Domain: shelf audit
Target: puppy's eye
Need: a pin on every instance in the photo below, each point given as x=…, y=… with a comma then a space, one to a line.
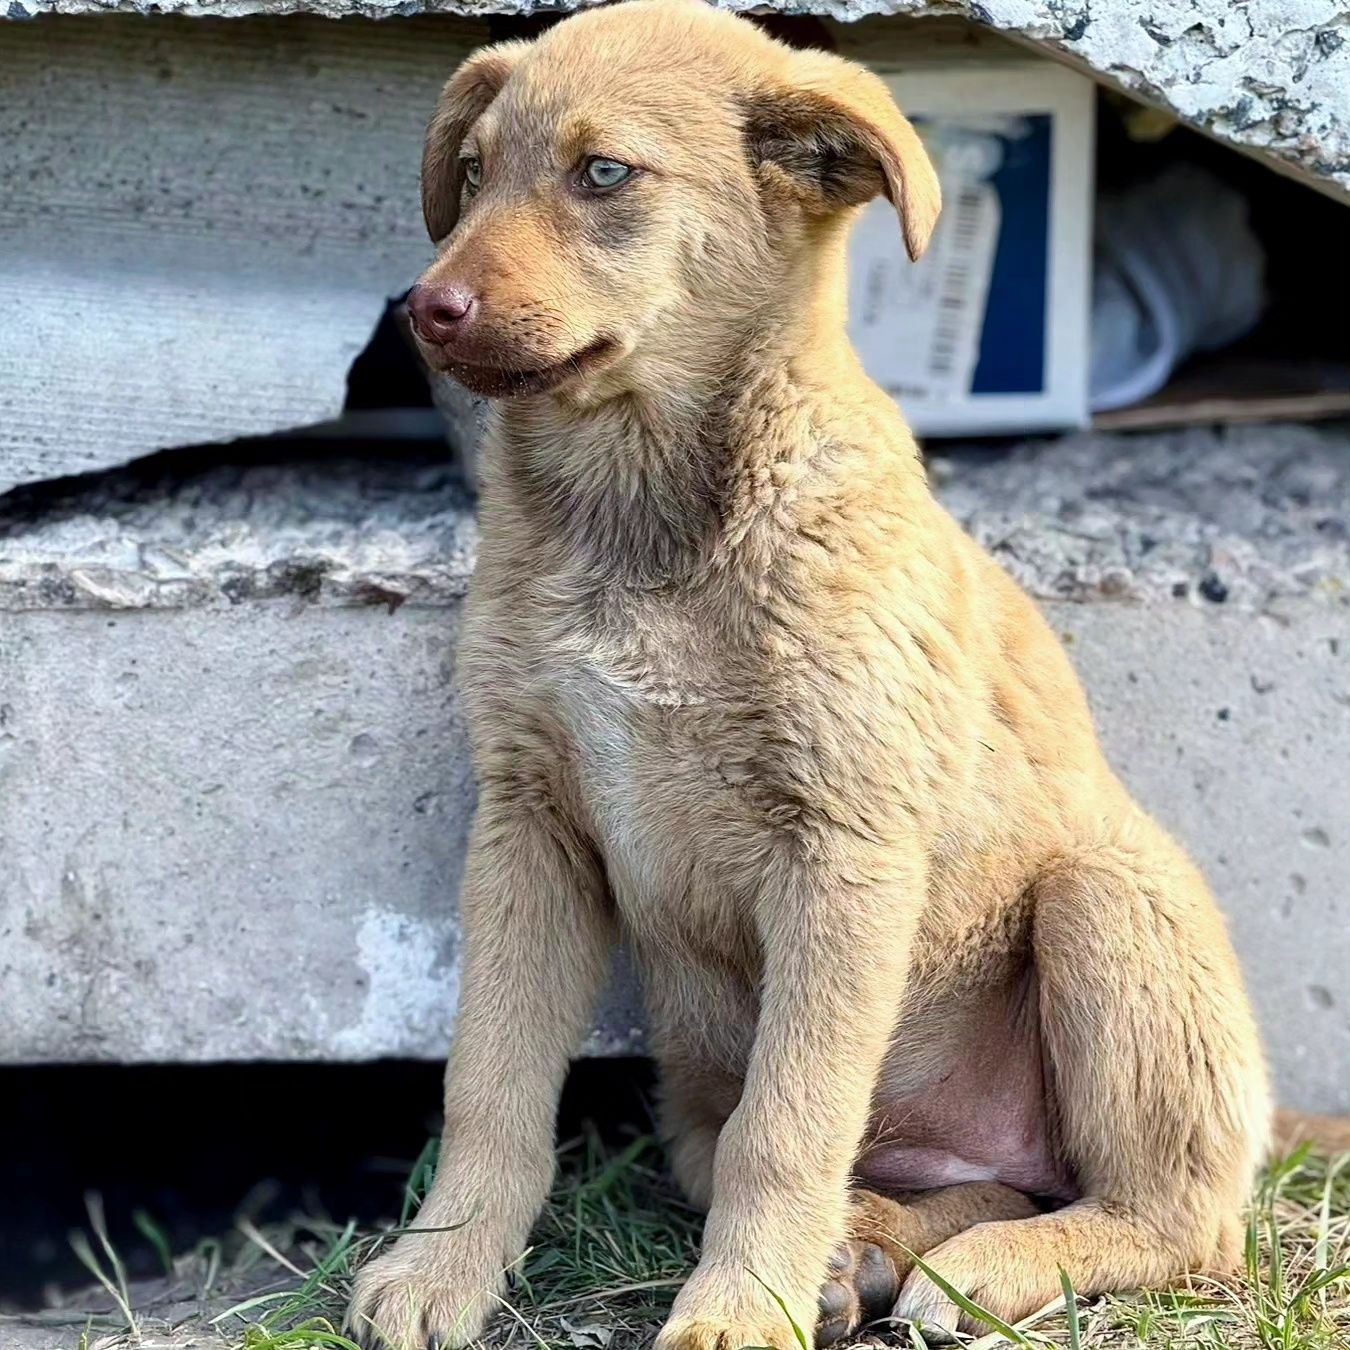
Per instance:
x=600, y=175
x=473, y=170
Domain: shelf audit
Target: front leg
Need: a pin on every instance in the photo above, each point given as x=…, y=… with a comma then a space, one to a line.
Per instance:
x=537, y=941
x=836, y=949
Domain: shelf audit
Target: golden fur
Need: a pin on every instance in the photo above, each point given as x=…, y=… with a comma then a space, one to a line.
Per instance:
x=742, y=693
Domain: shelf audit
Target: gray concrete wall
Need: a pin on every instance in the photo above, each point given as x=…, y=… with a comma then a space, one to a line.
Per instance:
x=233, y=788
x=235, y=838
x=242, y=838
x=201, y=224
x=1234, y=730
x=232, y=838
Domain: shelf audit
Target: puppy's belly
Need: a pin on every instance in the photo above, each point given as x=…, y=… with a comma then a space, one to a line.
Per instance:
x=901, y=1168
x=977, y=1110
x=918, y=1167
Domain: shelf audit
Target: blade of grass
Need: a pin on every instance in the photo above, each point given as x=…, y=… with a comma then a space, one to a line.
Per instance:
x=210, y=1252
x=249, y=1304
x=80, y=1245
x=1075, y=1331
x=419, y=1180
x=98, y=1221
x=778, y=1299
x=155, y=1236
x=618, y=1167
x=969, y=1306
x=1322, y=1246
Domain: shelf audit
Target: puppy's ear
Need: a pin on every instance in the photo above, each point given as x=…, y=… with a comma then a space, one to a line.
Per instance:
x=834, y=133
x=463, y=101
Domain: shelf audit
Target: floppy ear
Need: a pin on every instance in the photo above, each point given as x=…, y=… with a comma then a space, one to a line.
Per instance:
x=834, y=131
x=463, y=101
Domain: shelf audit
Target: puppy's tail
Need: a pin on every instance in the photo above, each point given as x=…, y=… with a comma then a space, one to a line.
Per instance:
x=1327, y=1134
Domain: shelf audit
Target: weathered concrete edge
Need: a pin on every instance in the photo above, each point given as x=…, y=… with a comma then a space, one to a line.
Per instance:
x=1240, y=76
x=315, y=580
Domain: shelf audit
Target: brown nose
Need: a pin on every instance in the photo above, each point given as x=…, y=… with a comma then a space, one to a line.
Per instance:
x=439, y=312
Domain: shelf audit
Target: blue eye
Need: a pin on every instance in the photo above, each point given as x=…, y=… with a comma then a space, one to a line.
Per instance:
x=603, y=174
x=473, y=170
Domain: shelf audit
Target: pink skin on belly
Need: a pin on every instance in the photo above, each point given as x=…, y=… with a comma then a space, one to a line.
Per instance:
x=984, y=1119
x=961, y=1151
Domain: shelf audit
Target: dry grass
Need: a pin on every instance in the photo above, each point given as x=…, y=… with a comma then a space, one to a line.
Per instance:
x=616, y=1241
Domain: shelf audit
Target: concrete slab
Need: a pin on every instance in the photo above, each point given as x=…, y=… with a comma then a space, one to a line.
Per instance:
x=202, y=224
x=234, y=838
x=233, y=787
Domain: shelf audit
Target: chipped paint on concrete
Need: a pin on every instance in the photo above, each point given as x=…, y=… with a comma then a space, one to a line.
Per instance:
x=411, y=983
x=1269, y=76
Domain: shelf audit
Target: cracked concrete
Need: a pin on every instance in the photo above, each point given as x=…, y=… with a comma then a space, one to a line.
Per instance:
x=1249, y=517
x=326, y=531
x=234, y=791
x=1269, y=78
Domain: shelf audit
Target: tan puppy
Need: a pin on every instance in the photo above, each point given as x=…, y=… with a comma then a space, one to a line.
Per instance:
x=744, y=694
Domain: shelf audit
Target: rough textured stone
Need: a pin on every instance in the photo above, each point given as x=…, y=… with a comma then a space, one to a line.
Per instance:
x=327, y=530
x=1272, y=78
x=1246, y=516
x=1243, y=517
x=233, y=808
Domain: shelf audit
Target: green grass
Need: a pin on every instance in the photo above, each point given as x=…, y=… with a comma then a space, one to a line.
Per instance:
x=611, y=1249
x=616, y=1241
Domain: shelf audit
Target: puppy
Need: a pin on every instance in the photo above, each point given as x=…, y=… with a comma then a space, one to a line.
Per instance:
x=920, y=976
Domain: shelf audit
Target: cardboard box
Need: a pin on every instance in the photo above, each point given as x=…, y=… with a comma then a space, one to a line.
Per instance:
x=989, y=331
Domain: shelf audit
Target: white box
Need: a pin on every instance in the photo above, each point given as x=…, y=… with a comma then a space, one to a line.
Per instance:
x=989, y=331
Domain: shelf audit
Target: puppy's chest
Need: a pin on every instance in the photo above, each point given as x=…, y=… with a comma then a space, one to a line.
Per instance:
x=643, y=700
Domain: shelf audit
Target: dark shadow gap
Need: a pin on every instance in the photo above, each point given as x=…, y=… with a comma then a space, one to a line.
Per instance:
x=194, y=1146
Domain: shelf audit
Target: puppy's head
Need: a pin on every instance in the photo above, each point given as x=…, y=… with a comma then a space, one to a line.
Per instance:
x=640, y=190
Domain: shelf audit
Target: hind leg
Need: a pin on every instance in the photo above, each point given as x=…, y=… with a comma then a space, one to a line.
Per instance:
x=694, y=1108
x=1157, y=1091
x=884, y=1233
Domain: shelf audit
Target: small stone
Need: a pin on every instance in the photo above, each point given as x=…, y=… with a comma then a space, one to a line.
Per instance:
x=1213, y=589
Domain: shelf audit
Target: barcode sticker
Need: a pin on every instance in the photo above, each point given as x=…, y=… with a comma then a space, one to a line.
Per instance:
x=917, y=326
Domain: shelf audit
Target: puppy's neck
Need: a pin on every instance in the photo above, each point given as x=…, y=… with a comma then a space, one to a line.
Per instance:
x=653, y=485
x=628, y=486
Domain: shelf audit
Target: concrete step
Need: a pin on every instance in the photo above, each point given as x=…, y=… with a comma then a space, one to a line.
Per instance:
x=234, y=791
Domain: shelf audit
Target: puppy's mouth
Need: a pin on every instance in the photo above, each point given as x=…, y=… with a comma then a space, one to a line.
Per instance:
x=495, y=381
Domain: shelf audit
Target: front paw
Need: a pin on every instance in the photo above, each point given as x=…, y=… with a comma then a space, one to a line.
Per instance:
x=430, y=1292
x=731, y=1310
x=689, y=1333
